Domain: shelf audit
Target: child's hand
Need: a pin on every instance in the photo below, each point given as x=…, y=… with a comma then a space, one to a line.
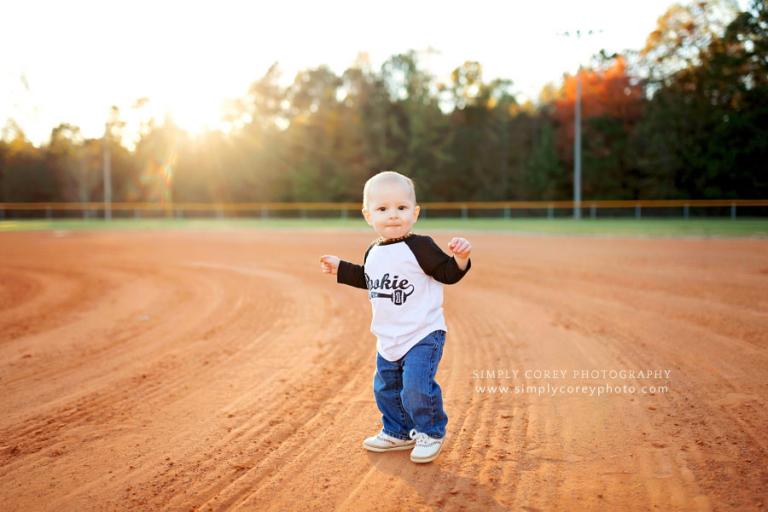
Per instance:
x=460, y=248
x=329, y=264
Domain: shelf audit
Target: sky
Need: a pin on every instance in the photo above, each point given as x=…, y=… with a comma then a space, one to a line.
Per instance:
x=71, y=61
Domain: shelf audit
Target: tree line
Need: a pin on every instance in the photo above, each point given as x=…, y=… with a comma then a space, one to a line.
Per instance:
x=684, y=117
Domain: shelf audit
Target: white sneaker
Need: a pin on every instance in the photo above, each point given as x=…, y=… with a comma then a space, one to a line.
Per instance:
x=382, y=442
x=427, y=448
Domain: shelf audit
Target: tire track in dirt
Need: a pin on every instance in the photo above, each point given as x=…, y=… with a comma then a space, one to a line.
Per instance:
x=118, y=348
x=16, y=290
x=585, y=322
x=84, y=408
x=48, y=297
x=102, y=407
x=113, y=332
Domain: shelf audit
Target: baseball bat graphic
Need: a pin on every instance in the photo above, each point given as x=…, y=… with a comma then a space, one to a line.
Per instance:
x=397, y=296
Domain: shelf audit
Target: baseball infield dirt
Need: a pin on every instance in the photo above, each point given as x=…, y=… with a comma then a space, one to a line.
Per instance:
x=222, y=370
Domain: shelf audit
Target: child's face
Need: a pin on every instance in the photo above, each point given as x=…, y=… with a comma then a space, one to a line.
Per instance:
x=391, y=210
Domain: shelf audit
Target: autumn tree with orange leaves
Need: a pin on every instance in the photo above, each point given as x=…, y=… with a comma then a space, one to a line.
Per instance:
x=611, y=106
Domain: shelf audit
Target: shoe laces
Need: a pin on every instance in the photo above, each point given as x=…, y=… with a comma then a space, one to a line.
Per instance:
x=420, y=437
x=384, y=436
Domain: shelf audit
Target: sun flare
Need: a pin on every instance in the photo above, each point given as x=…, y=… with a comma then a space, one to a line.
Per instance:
x=196, y=114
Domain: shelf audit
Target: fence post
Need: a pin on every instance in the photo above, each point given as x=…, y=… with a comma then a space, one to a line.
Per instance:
x=593, y=211
x=343, y=213
x=263, y=213
x=685, y=211
x=733, y=211
x=507, y=214
x=464, y=212
x=550, y=212
x=638, y=212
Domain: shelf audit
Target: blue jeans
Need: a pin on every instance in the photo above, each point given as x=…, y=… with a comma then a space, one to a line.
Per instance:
x=406, y=392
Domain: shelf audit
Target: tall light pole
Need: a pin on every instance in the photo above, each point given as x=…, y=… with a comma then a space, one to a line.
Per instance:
x=106, y=170
x=577, y=130
x=577, y=150
x=112, y=121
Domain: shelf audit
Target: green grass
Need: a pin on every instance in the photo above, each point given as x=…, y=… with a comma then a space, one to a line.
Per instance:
x=750, y=227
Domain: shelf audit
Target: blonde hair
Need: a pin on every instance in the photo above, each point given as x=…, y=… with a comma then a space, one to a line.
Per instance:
x=388, y=177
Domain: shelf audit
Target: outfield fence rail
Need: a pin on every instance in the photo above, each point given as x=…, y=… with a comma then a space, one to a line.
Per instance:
x=684, y=208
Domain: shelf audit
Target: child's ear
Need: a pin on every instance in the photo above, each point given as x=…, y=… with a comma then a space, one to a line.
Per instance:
x=416, y=212
x=367, y=216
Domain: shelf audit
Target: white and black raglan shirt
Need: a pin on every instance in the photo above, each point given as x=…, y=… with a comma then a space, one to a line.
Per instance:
x=404, y=278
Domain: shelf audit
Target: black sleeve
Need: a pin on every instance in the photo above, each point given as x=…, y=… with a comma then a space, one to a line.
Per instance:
x=434, y=262
x=351, y=274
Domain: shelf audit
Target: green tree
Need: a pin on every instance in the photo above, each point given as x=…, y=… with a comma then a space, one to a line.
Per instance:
x=705, y=132
x=544, y=177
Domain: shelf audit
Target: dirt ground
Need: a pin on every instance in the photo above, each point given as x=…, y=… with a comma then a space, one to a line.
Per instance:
x=223, y=371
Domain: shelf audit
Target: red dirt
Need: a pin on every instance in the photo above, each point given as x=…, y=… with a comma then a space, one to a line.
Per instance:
x=222, y=370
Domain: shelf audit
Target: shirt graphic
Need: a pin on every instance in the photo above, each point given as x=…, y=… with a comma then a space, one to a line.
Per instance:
x=395, y=290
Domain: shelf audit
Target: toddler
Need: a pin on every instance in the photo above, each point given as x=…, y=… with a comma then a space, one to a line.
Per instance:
x=404, y=274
